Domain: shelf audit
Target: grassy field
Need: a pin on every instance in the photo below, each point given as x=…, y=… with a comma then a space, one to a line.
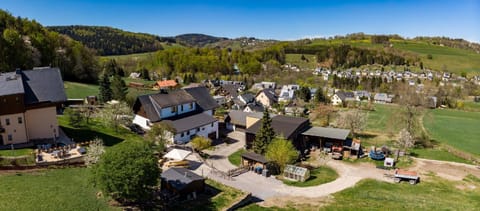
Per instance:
x=382, y=119
x=318, y=176
x=459, y=129
x=15, y=152
x=236, y=157
x=79, y=91
x=61, y=189
x=437, y=154
x=369, y=194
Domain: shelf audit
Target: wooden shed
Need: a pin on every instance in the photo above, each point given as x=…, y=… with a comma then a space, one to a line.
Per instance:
x=253, y=161
x=296, y=173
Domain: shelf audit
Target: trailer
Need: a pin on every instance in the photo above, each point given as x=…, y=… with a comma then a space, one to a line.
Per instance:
x=410, y=176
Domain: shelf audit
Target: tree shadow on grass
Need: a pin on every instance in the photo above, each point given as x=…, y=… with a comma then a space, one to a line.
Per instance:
x=86, y=134
x=366, y=136
x=202, y=202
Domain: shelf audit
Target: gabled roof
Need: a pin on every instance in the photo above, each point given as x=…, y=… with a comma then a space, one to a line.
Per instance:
x=43, y=85
x=203, y=97
x=247, y=97
x=325, y=132
x=171, y=98
x=270, y=94
x=282, y=125
x=255, y=107
x=345, y=95
x=255, y=157
x=232, y=89
x=179, y=178
x=190, y=122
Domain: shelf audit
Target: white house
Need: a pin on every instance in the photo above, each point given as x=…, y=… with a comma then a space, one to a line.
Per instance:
x=340, y=97
x=288, y=92
x=189, y=111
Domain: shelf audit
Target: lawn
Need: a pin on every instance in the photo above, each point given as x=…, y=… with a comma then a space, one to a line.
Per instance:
x=95, y=129
x=60, y=189
x=76, y=90
x=223, y=197
x=15, y=152
x=236, y=157
x=437, y=154
x=318, y=176
x=383, y=119
x=459, y=129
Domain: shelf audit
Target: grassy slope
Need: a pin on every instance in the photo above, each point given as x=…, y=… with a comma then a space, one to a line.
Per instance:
x=62, y=189
x=79, y=91
x=296, y=59
x=453, y=59
x=456, y=128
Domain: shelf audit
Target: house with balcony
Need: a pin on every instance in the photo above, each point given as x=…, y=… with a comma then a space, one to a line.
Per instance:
x=189, y=111
x=29, y=101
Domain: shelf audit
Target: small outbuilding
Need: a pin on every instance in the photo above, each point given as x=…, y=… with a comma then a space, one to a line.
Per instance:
x=296, y=173
x=182, y=182
x=254, y=161
x=389, y=162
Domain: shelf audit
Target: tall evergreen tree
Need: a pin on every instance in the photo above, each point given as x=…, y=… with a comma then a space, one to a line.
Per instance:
x=105, y=89
x=320, y=96
x=119, y=88
x=145, y=74
x=265, y=135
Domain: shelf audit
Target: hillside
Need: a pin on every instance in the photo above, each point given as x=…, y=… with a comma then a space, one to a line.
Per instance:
x=197, y=40
x=26, y=44
x=112, y=41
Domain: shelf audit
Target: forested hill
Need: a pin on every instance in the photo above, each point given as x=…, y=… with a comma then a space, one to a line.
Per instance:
x=112, y=41
x=26, y=44
x=198, y=40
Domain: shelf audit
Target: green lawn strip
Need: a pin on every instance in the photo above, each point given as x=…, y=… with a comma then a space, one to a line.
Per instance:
x=76, y=90
x=427, y=195
x=15, y=152
x=318, y=176
x=437, y=154
x=59, y=189
x=236, y=157
x=95, y=129
x=458, y=129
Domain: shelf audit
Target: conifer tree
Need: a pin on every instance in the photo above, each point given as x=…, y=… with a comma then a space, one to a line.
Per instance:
x=265, y=134
x=105, y=89
x=119, y=88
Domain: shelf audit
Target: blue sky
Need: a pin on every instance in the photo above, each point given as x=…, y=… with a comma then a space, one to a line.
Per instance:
x=263, y=19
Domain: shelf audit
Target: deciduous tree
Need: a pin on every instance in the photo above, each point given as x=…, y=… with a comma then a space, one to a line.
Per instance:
x=281, y=152
x=353, y=119
x=200, y=143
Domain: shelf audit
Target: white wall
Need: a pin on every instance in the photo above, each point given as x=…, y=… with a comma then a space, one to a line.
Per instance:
x=15, y=129
x=204, y=131
x=42, y=123
x=142, y=122
x=336, y=100
x=167, y=112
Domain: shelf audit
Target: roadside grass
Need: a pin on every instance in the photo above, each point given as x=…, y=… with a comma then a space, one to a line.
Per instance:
x=223, y=198
x=318, y=176
x=236, y=157
x=95, y=129
x=437, y=154
x=76, y=90
x=59, y=189
x=458, y=129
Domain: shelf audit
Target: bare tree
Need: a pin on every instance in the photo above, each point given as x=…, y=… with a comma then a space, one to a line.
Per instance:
x=353, y=119
x=412, y=102
x=405, y=140
x=114, y=115
x=94, y=152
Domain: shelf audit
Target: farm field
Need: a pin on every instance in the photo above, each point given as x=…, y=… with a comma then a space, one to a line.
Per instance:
x=60, y=189
x=382, y=119
x=459, y=129
x=76, y=90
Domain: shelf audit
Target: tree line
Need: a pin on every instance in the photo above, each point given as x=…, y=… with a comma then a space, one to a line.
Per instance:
x=26, y=44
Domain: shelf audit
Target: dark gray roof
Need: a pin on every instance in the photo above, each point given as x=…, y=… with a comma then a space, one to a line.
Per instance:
x=203, y=97
x=152, y=111
x=282, y=125
x=238, y=117
x=171, y=98
x=191, y=122
x=43, y=85
x=247, y=97
x=255, y=107
x=325, y=132
x=345, y=95
x=232, y=89
x=10, y=83
x=255, y=157
x=180, y=177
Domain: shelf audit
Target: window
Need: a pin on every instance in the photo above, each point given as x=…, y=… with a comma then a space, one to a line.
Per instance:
x=10, y=137
x=7, y=121
x=198, y=129
x=191, y=105
x=20, y=121
x=174, y=109
x=188, y=132
x=181, y=135
x=212, y=124
x=203, y=128
x=181, y=107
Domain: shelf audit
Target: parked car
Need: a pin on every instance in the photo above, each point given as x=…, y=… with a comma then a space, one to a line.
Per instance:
x=136, y=129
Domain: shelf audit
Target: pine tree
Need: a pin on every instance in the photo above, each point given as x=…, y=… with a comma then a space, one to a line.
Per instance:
x=119, y=88
x=265, y=135
x=319, y=95
x=105, y=90
x=145, y=74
